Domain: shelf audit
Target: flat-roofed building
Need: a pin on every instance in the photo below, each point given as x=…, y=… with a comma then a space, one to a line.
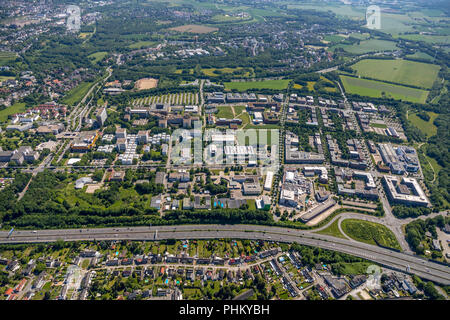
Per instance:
x=398, y=194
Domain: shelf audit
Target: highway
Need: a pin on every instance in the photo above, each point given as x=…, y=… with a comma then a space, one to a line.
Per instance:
x=385, y=257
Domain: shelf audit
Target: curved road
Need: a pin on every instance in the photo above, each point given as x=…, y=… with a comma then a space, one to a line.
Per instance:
x=395, y=260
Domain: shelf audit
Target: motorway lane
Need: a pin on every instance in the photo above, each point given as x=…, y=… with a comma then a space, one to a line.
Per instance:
x=421, y=267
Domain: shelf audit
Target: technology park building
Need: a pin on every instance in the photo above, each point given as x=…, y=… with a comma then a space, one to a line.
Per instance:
x=406, y=191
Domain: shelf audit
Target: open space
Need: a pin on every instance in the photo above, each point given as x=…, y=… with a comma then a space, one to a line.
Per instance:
x=378, y=89
x=398, y=71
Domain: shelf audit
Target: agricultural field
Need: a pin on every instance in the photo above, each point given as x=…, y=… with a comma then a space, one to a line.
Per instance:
x=267, y=84
x=366, y=46
x=370, y=232
x=193, y=28
x=427, y=127
x=398, y=71
x=182, y=98
x=15, y=108
x=378, y=89
x=426, y=38
x=420, y=55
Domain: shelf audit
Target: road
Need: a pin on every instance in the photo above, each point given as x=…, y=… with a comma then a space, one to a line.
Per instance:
x=388, y=258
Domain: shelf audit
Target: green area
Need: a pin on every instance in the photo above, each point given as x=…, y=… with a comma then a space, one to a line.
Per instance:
x=426, y=38
x=142, y=44
x=427, y=127
x=267, y=84
x=351, y=268
x=97, y=56
x=370, y=232
x=399, y=71
x=378, y=125
x=76, y=94
x=366, y=46
x=378, y=89
x=225, y=112
x=15, y=108
x=420, y=55
x=6, y=57
x=332, y=230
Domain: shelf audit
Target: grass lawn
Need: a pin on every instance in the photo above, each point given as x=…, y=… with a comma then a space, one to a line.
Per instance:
x=245, y=117
x=251, y=204
x=370, y=232
x=354, y=268
x=332, y=230
x=15, y=108
x=427, y=127
x=378, y=125
x=225, y=112
x=97, y=56
x=268, y=84
x=378, y=89
x=398, y=71
x=76, y=94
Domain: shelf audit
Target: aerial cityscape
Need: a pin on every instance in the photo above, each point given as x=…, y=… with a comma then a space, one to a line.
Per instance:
x=224, y=150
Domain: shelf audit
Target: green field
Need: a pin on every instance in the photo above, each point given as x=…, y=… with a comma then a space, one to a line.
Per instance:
x=375, y=89
x=76, y=94
x=378, y=125
x=333, y=230
x=15, y=108
x=370, y=232
x=426, y=38
x=225, y=112
x=399, y=71
x=268, y=84
x=6, y=57
x=142, y=44
x=427, y=127
x=214, y=72
x=365, y=46
x=97, y=56
x=420, y=55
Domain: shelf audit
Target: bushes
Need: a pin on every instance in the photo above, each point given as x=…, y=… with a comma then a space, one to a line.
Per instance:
x=401, y=211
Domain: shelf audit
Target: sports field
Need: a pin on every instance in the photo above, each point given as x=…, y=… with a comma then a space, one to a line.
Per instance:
x=399, y=71
x=268, y=84
x=375, y=89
